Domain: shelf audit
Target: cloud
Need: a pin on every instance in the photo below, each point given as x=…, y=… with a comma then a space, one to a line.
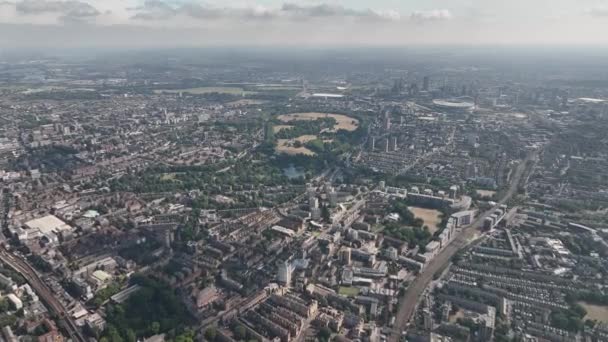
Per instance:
x=598, y=12
x=326, y=10
x=193, y=13
x=160, y=10
x=154, y=10
x=67, y=10
x=321, y=10
x=433, y=15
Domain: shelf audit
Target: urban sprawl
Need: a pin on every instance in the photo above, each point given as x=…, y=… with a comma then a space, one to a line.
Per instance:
x=239, y=198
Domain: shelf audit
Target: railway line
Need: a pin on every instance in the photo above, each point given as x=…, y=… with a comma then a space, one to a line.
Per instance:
x=409, y=302
x=43, y=292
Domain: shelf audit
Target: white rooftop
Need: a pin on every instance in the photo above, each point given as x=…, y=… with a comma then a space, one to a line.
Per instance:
x=48, y=224
x=591, y=100
x=454, y=104
x=327, y=95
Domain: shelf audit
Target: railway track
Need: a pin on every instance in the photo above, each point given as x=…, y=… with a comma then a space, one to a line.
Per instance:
x=43, y=292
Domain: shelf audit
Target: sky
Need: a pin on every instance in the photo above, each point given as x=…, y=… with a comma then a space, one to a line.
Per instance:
x=192, y=23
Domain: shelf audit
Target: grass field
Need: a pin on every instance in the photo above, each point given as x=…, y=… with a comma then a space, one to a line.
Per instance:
x=278, y=87
x=343, y=122
x=287, y=145
x=348, y=291
x=168, y=177
x=279, y=128
x=596, y=312
x=207, y=90
x=431, y=217
x=245, y=102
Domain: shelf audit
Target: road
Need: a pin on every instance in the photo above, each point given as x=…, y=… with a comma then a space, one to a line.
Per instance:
x=408, y=303
x=43, y=292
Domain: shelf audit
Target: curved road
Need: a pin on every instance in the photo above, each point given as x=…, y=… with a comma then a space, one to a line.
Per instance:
x=408, y=303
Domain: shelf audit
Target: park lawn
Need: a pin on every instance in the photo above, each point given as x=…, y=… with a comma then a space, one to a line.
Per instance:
x=348, y=291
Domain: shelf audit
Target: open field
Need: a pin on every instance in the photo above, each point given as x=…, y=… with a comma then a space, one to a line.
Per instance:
x=431, y=217
x=348, y=291
x=277, y=87
x=43, y=89
x=168, y=176
x=245, y=102
x=343, y=122
x=595, y=312
x=485, y=193
x=279, y=128
x=287, y=145
x=207, y=90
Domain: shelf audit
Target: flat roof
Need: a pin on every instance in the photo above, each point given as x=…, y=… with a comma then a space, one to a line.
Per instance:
x=591, y=100
x=327, y=95
x=433, y=244
x=453, y=104
x=101, y=275
x=47, y=224
x=284, y=230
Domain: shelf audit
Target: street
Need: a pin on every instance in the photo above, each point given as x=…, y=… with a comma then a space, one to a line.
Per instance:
x=408, y=303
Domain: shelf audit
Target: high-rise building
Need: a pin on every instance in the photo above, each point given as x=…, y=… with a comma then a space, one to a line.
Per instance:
x=387, y=120
x=285, y=271
x=426, y=82
x=392, y=253
x=413, y=89
x=428, y=319
x=313, y=202
x=345, y=255
x=333, y=198
x=315, y=213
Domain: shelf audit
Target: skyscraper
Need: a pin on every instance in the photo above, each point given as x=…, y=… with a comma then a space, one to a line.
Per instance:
x=285, y=271
x=387, y=120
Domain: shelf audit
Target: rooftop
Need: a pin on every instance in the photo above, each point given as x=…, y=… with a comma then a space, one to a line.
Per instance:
x=47, y=224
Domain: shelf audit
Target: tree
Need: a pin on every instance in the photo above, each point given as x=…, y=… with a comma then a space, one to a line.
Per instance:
x=131, y=337
x=154, y=328
x=323, y=301
x=578, y=310
x=324, y=334
x=559, y=320
x=269, y=133
x=186, y=336
x=240, y=333
x=210, y=334
x=113, y=335
x=4, y=305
